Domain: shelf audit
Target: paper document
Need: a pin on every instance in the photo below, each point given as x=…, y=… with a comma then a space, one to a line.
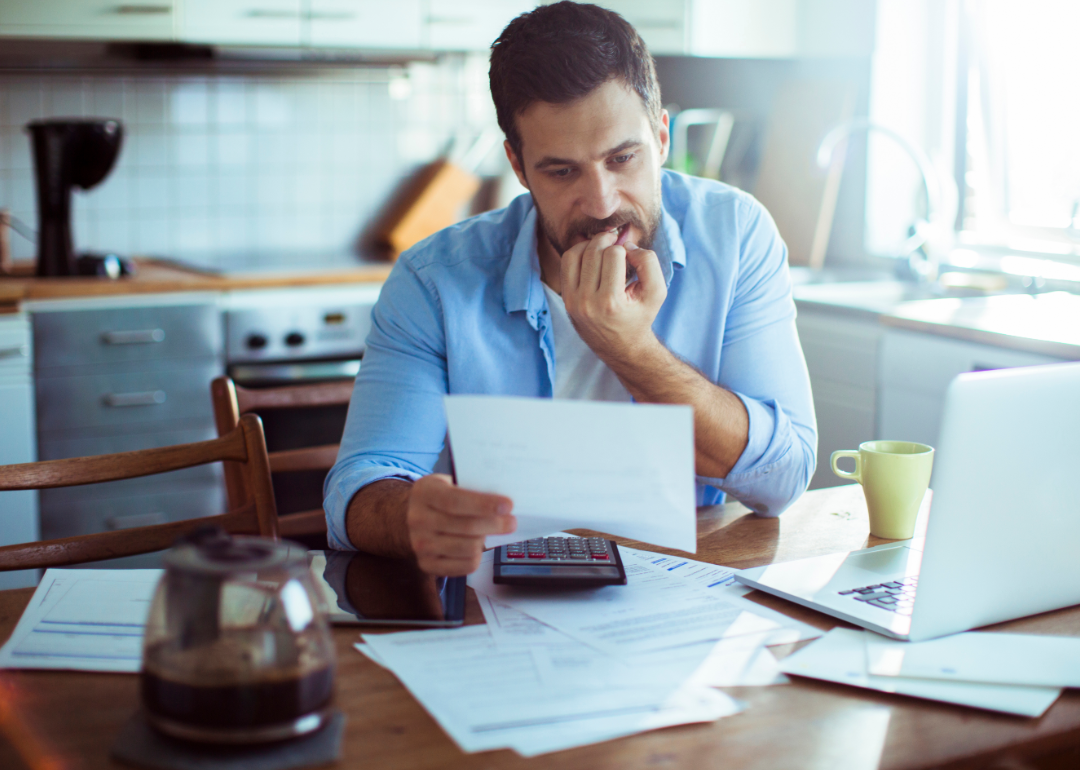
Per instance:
x=1052, y=661
x=841, y=655
x=486, y=697
x=84, y=620
x=622, y=469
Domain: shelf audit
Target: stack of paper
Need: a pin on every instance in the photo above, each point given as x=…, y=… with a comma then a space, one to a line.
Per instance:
x=1011, y=673
x=565, y=668
x=84, y=620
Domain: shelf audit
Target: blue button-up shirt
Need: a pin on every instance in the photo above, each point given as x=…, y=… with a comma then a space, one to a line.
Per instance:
x=464, y=311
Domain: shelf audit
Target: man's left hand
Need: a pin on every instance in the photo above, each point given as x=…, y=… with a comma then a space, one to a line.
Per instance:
x=613, y=319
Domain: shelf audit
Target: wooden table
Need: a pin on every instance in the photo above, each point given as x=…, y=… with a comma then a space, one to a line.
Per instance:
x=807, y=724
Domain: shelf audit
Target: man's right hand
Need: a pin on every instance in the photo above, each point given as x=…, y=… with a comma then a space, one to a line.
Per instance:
x=447, y=524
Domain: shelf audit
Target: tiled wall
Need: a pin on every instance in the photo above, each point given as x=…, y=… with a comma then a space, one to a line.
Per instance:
x=216, y=166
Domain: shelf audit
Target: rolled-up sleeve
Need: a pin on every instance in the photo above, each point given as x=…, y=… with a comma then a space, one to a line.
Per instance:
x=762, y=363
x=396, y=426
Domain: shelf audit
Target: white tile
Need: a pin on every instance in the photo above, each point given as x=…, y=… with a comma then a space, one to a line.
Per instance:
x=17, y=149
x=234, y=189
x=191, y=192
x=232, y=148
x=153, y=235
x=233, y=233
x=191, y=150
x=347, y=149
x=150, y=106
x=150, y=146
x=113, y=233
x=189, y=103
x=112, y=194
x=230, y=102
x=274, y=194
x=310, y=189
x=193, y=234
x=107, y=98
x=309, y=149
x=25, y=101
x=22, y=194
x=64, y=98
x=272, y=107
x=273, y=150
x=151, y=191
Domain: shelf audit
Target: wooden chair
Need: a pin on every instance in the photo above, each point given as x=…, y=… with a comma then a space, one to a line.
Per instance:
x=244, y=448
x=230, y=401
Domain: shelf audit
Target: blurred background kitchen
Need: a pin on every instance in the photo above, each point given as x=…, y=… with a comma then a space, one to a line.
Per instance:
x=919, y=157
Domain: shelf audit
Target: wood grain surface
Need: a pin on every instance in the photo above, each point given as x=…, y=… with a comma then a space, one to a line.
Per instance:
x=158, y=277
x=807, y=724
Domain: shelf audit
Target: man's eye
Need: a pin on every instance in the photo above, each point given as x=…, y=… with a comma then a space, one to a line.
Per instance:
x=560, y=172
x=622, y=158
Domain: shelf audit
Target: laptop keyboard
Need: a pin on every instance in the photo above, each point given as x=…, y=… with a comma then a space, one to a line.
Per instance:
x=895, y=596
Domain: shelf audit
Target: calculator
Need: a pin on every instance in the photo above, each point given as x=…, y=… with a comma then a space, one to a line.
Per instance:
x=564, y=562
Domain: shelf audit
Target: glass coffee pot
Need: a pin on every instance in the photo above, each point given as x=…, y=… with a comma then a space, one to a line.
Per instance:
x=237, y=646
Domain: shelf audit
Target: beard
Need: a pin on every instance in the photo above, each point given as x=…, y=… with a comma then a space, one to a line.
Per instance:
x=588, y=227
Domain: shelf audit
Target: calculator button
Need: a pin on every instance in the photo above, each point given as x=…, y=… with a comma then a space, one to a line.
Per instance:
x=599, y=555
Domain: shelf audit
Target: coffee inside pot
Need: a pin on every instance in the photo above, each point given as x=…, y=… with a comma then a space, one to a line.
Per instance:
x=237, y=646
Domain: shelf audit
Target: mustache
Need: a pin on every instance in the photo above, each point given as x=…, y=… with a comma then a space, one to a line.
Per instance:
x=588, y=228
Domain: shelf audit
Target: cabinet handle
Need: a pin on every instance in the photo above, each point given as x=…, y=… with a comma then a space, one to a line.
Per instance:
x=977, y=367
x=144, y=398
x=134, y=337
x=19, y=351
x=142, y=10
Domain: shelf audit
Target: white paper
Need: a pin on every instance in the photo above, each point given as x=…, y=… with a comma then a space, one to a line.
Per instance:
x=510, y=627
x=486, y=697
x=622, y=469
x=1052, y=661
x=720, y=581
x=742, y=661
x=840, y=656
x=84, y=620
x=652, y=611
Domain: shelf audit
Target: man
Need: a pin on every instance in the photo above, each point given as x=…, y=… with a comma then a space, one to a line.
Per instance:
x=613, y=280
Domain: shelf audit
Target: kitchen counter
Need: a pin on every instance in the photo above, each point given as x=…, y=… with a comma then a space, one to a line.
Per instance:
x=1047, y=324
x=160, y=277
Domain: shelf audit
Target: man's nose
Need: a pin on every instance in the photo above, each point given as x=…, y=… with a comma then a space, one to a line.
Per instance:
x=600, y=195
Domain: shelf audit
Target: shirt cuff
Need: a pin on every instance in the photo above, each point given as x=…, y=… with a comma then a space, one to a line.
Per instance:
x=340, y=492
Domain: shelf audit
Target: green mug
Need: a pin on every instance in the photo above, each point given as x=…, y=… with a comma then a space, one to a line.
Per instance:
x=894, y=477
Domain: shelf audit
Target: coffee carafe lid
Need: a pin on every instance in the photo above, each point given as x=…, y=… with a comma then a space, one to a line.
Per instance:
x=212, y=551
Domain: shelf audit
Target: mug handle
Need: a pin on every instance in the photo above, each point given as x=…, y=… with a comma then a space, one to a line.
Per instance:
x=853, y=453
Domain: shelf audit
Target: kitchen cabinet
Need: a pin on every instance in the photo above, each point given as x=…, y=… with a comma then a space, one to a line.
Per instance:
x=841, y=353
x=89, y=19
x=241, y=22
x=915, y=370
x=124, y=374
x=452, y=25
x=364, y=24
x=18, y=510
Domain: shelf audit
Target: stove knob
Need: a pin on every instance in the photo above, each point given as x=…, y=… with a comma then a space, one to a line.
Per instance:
x=256, y=341
x=294, y=339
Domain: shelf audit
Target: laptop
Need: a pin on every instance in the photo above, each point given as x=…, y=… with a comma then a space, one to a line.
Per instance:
x=1003, y=537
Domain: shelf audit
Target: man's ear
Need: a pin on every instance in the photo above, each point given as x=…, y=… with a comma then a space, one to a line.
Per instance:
x=515, y=163
x=664, y=135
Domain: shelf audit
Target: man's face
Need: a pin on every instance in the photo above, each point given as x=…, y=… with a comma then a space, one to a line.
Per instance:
x=593, y=165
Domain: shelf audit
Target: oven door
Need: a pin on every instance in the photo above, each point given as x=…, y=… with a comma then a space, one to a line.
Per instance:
x=298, y=428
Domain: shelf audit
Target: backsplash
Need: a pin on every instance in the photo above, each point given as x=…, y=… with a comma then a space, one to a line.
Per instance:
x=215, y=167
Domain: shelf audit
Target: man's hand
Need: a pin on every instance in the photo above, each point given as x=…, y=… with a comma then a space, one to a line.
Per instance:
x=447, y=524
x=613, y=319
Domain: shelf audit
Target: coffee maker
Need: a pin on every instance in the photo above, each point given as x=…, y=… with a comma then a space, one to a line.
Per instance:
x=67, y=153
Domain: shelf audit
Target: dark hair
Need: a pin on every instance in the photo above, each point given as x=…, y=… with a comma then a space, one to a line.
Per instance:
x=561, y=52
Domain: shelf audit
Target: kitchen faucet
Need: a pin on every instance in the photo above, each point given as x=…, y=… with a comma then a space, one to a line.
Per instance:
x=932, y=234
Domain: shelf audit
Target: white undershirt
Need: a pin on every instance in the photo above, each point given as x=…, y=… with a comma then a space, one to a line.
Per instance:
x=579, y=373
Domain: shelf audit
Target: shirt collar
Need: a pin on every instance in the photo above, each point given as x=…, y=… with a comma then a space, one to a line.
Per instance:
x=522, y=289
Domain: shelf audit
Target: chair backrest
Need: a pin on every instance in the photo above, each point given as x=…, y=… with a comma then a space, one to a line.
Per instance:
x=231, y=401
x=244, y=447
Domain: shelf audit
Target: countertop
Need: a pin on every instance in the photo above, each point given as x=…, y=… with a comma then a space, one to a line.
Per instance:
x=1048, y=324
x=158, y=276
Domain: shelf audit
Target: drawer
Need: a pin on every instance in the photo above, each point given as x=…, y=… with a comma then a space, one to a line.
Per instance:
x=125, y=335
x=67, y=516
x=130, y=399
x=838, y=349
x=927, y=363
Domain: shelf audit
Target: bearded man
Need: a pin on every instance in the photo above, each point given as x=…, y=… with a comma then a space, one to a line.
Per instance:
x=613, y=279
